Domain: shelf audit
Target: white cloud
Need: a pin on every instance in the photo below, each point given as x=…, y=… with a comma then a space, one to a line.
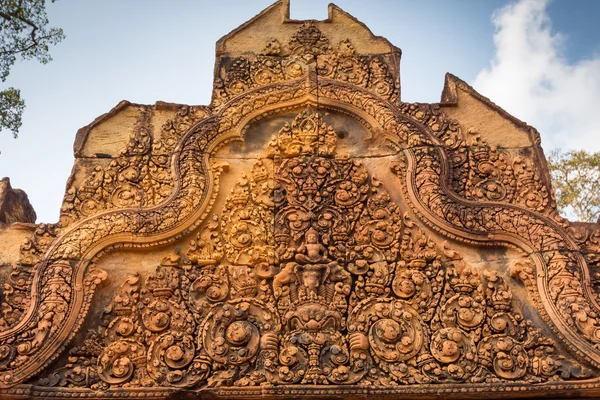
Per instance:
x=530, y=78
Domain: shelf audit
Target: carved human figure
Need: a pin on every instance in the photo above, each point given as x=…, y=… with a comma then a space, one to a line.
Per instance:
x=305, y=278
x=311, y=251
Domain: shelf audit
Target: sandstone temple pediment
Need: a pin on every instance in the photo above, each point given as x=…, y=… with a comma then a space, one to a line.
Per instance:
x=307, y=234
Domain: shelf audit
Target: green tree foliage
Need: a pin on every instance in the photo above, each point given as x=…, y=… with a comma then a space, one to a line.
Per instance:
x=24, y=35
x=576, y=181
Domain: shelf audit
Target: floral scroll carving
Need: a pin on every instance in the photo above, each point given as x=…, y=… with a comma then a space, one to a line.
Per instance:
x=307, y=49
x=311, y=272
x=139, y=176
x=489, y=174
x=313, y=275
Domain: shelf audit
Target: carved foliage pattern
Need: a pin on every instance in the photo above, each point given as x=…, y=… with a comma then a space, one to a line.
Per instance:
x=139, y=177
x=15, y=294
x=565, y=282
x=314, y=276
x=56, y=283
x=427, y=181
x=191, y=188
x=307, y=48
x=565, y=276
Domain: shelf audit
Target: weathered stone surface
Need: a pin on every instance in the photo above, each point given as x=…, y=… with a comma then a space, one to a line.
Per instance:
x=14, y=205
x=305, y=234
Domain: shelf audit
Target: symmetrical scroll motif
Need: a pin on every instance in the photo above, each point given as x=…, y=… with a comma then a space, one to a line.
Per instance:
x=313, y=276
x=339, y=286
x=309, y=41
x=307, y=48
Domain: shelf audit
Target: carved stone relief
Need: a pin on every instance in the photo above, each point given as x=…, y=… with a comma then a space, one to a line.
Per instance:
x=311, y=275
x=282, y=62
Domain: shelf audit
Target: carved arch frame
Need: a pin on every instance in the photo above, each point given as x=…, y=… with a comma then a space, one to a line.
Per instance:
x=228, y=122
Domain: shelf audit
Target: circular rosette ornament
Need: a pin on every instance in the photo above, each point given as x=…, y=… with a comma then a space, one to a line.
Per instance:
x=89, y=207
x=490, y=189
x=171, y=361
x=347, y=194
x=231, y=332
x=464, y=311
x=397, y=339
x=127, y=195
x=412, y=286
x=243, y=234
x=264, y=76
x=294, y=68
x=504, y=355
x=391, y=329
x=210, y=287
x=506, y=324
x=121, y=327
x=533, y=199
x=454, y=349
x=162, y=314
x=119, y=360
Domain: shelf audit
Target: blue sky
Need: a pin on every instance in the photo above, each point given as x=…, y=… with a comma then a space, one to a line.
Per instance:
x=538, y=59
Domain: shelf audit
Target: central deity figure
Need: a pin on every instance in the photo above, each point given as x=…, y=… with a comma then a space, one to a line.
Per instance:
x=312, y=266
x=315, y=251
x=309, y=273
